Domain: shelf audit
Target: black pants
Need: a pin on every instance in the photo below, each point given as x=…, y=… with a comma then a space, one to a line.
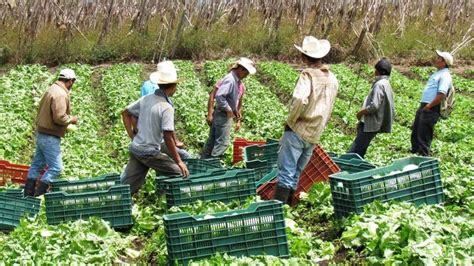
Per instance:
x=362, y=140
x=423, y=129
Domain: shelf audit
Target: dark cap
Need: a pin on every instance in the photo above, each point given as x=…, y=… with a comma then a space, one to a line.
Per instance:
x=384, y=67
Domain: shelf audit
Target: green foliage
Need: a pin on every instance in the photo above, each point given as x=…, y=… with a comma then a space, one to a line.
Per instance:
x=20, y=91
x=403, y=234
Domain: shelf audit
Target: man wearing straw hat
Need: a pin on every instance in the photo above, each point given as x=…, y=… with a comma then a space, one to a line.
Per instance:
x=149, y=87
x=228, y=104
x=310, y=109
x=428, y=113
x=155, y=115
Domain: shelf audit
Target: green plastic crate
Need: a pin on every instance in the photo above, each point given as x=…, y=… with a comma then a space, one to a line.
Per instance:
x=233, y=185
x=103, y=182
x=196, y=166
x=14, y=207
x=113, y=205
x=267, y=178
x=350, y=192
x=160, y=180
x=261, y=167
x=14, y=192
x=257, y=230
x=267, y=152
x=351, y=162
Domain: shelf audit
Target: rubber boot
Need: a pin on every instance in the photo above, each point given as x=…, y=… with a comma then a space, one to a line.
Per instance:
x=281, y=194
x=41, y=189
x=29, y=190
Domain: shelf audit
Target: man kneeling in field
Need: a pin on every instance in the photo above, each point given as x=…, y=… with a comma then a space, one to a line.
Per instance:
x=155, y=121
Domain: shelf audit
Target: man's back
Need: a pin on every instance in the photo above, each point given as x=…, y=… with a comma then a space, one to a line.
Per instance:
x=155, y=115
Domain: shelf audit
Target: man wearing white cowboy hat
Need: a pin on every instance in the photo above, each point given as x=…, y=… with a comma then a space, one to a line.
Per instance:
x=149, y=87
x=155, y=115
x=54, y=117
x=428, y=113
x=228, y=97
x=310, y=109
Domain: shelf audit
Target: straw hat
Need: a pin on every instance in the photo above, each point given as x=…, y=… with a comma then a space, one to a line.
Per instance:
x=314, y=48
x=165, y=74
x=247, y=64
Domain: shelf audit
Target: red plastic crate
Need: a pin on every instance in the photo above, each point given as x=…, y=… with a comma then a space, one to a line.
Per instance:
x=318, y=169
x=267, y=190
x=239, y=144
x=16, y=173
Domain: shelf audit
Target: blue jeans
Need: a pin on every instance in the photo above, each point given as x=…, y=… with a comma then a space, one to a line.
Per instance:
x=292, y=159
x=48, y=153
x=219, y=135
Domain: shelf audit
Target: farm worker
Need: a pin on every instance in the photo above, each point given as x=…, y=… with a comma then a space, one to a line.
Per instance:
x=311, y=106
x=428, y=113
x=210, y=103
x=52, y=120
x=155, y=115
x=228, y=107
x=377, y=113
x=149, y=87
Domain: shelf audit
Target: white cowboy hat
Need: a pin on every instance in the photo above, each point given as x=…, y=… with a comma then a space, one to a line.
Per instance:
x=247, y=64
x=314, y=48
x=165, y=74
x=67, y=73
x=448, y=58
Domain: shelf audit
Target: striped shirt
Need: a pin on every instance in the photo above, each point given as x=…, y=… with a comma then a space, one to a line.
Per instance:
x=312, y=103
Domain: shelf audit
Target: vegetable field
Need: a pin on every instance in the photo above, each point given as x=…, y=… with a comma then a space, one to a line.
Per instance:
x=393, y=233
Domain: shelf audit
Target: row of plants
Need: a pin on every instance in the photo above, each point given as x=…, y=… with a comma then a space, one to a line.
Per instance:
x=19, y=90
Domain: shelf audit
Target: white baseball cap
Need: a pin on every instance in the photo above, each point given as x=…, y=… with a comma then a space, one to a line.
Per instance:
x=67, y=73
x=447, y=57
x=247, y=64
x=165, y=74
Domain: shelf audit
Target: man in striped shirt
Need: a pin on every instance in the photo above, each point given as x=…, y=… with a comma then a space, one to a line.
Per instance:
x=311, y=106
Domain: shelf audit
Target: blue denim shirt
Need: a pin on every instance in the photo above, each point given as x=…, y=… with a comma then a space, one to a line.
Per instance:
x=440, y=81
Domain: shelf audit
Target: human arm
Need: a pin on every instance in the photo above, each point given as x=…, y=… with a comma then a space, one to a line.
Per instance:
x=300, y=98
x=59, y=108
x=127, y=119
x=210, y=105
x=437, y=100
x=170, y=142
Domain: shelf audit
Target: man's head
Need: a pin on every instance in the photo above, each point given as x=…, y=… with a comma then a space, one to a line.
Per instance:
x=166, y=77
x=313, y=50
x=244, y=67
x=383, y=67
x=443, y=59
x=67, y=77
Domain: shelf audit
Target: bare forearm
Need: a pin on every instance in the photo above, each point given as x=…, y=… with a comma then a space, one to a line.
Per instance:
x=127, y=122
x=170, y=143
x=436, y=101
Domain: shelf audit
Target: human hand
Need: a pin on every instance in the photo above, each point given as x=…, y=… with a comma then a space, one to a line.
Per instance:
x=209, y=119
x=426, y=108
x=73, y=120
x=184, y=169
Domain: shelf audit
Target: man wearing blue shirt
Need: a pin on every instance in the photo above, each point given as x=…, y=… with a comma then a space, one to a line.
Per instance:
x=428, y=113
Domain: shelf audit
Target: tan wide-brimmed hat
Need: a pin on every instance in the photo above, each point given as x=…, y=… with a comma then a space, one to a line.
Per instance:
x=314, y=48
x=448, y=58
x=165, y=73
x=247, y=64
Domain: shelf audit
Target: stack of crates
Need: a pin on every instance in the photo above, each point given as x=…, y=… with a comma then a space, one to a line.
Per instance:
x=257, y=230
x=318, y=169
x=13, y=206
x=268, y=152
x=239, y=145
x=413, y=179
x=103, y=197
